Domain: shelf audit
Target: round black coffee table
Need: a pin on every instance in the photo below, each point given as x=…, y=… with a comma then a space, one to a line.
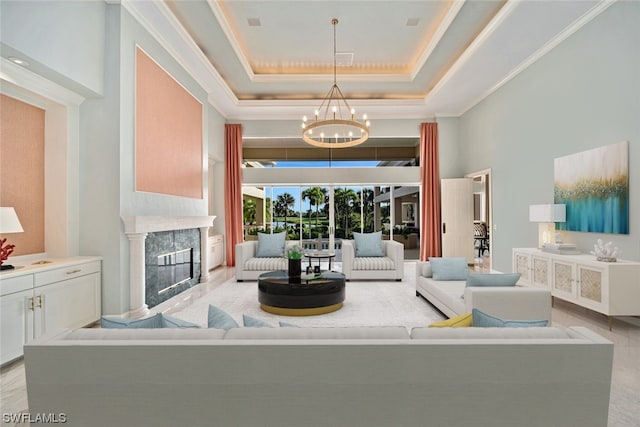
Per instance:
x=321, y=295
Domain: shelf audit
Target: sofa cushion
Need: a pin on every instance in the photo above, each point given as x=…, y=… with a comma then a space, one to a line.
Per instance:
x=270, y=245
x=220, y=319
x=476, y=279
x=484, y=320
x=249, y=321
x=449, y=268
x=373, y=263
x=461, y=321
x=368, y=244
x=174, y=322
x=488, y=333
x=145, y=334
x=125, y=323
x=447, y=291
x=265, y=264
x=325, y=333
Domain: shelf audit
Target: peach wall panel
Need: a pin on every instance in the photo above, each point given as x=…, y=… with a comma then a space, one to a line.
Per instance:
x=22, y=171
x=168, y=133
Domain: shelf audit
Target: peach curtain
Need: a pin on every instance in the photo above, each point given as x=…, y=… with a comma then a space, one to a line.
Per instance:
x=233, y=190
x=430, y=238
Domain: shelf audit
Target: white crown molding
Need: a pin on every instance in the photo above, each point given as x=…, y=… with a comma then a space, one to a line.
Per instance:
x=158, y=20
x=228, y=32
x=502, y=14
x=27, y=79
x=444, y=25
x=550, y=45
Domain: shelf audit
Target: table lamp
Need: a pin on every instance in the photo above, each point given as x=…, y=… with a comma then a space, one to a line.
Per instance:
x=546, y=216
x=9, y=223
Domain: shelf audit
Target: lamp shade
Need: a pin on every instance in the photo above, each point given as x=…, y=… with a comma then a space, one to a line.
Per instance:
x=547, y=213
x=9, y=222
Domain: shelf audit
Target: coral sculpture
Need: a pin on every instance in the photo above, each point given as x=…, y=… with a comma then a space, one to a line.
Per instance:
x=5, y=250
x=605, y=251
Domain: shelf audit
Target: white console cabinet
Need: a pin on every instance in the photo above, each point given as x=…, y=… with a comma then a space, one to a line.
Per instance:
x=215, y=251
x=611, y=288
x=38, y=299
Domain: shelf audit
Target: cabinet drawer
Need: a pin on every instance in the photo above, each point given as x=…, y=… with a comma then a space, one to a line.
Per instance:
x=65, y=273
x=217, y=238
x=16, y=284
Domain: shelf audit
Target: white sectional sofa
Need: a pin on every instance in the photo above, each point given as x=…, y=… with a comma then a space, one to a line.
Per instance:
x=388, y=267
x=498, y=377
x=249, y=267
x=453, y=298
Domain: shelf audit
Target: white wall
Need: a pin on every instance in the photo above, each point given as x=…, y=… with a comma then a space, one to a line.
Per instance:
x=108, y=156
x=581, y=95
x=62, y=40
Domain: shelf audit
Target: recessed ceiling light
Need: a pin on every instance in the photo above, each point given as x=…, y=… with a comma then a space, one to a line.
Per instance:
x=18, y=61
x=254, y=22
x=412, y=22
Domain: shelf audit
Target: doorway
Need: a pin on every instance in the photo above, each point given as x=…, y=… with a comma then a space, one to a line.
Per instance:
x=483, y=217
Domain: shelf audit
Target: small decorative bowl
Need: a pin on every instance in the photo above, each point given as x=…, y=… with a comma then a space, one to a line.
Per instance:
x=606, y=259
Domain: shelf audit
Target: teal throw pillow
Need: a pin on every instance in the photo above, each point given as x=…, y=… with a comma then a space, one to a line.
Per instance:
x=484, y=320
x=449, y=268
x=174, y=322
x=254, y=323
x=476, y=279
x=152, y=322
x=270, y=245
x=368, y=244
x=220, y=319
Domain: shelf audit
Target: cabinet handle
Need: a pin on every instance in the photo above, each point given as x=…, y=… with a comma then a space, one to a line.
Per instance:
x=32, y=304
x=444, y=228
x=40, y=301
x=74, y=271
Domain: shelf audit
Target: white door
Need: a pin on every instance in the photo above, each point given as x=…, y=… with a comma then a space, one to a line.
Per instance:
x=457, y=218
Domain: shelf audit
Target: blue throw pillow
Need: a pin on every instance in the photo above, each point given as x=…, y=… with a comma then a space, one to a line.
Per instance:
x=220, y=319
x=287, y=325
x=484, y=320
x=152, y=322
x=368, y=244
x=450, y=268
x=270, y=245
x=174, y=322
x=476, y=279
x=253, y=322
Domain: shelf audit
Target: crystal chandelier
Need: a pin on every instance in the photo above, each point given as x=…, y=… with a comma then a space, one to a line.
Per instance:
x=335, y=124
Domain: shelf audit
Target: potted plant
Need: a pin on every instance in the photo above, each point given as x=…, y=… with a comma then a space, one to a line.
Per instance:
x=294, y=255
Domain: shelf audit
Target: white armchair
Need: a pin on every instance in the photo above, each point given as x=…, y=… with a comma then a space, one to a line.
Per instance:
x=388, y=267
x=249, y=267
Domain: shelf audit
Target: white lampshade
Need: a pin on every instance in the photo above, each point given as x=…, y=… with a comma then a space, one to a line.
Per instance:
x=9, y=222
x=547, y=213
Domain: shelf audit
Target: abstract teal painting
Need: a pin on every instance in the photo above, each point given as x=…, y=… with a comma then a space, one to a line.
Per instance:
x=594, y=186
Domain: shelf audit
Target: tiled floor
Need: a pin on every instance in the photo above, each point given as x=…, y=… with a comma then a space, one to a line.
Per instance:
x=624, y=408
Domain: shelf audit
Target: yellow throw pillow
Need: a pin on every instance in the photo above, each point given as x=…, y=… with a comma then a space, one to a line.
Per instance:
x=462, y=321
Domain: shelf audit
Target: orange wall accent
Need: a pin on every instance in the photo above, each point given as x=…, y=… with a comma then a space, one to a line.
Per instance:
x=22, y=172
x=168, y=133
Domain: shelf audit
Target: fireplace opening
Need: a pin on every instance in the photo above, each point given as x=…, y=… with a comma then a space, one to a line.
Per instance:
x=174, y=269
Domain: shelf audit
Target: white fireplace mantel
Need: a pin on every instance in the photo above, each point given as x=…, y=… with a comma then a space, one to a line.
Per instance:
x=136, y=228
x=152, y=224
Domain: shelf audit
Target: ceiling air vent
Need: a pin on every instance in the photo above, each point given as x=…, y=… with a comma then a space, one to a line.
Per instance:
x=344, y=59
x=254, y=22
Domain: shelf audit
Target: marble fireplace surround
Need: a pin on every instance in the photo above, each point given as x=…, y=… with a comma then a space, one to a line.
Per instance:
x=136, y=228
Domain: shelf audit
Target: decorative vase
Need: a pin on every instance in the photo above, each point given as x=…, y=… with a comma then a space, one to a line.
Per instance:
x=295, y=270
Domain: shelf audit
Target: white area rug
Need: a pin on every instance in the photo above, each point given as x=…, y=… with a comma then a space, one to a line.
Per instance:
x=367, y=303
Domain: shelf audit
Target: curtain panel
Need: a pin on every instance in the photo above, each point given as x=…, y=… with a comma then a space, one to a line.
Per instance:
x=430, y=237
x=233, y=186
